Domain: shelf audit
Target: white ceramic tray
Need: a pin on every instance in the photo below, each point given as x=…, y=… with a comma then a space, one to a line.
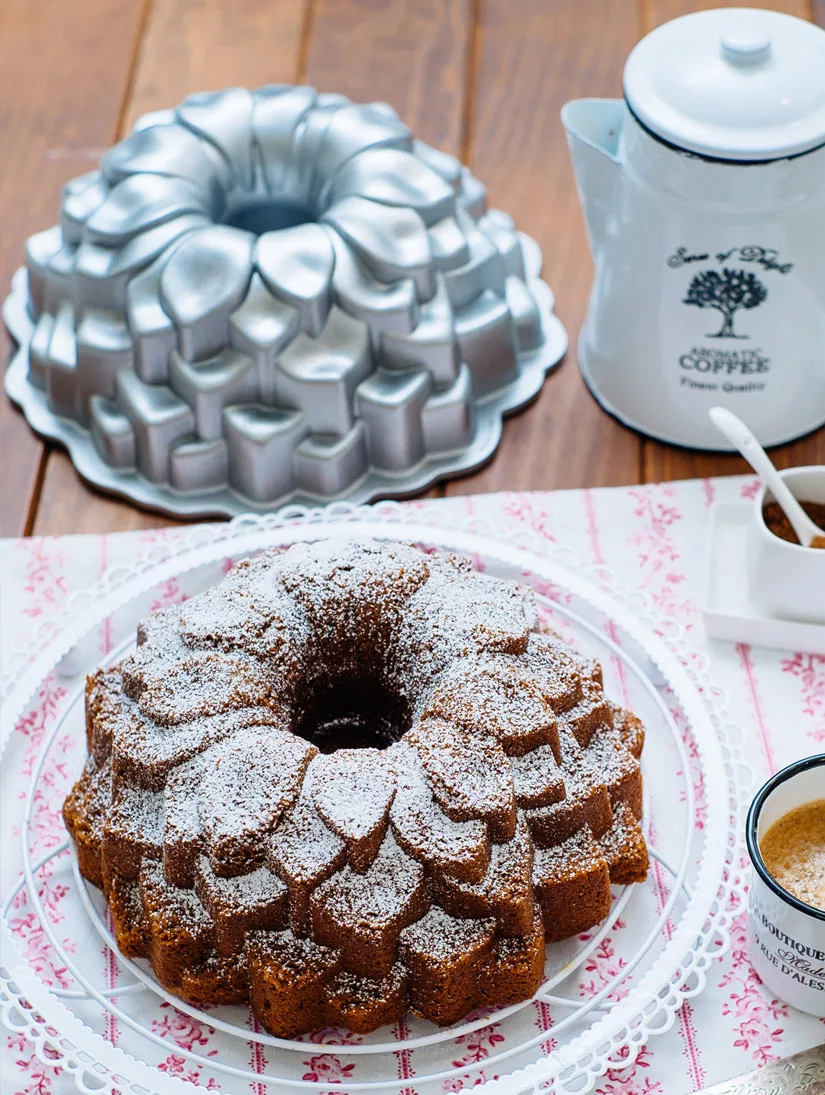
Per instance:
x=728, y=610
x=606, y=993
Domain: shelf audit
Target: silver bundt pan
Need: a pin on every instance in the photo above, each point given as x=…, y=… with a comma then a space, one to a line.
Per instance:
x=276, y=296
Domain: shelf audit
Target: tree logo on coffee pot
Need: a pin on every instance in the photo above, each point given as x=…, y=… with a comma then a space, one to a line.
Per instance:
x=727, y=292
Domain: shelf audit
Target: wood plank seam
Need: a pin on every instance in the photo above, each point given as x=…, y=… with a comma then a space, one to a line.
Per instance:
x=36, y=488
x=471, y=68
x=128, y=90
x=302, y=63
x=471, y=80
x=54, y=121
x=532, y=60
x=134, y=68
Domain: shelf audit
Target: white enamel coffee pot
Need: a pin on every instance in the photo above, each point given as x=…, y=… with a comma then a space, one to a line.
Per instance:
x=704, y=196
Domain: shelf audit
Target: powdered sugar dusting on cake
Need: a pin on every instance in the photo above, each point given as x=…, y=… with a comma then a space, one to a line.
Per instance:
x=494, y=693
x=303, y=849
x=443, y=937
x=468, y=774
x=242, y=893
x=353, y=790
x=355, y=883
x=537, y=778
x=248, y=783
x=363, y=914
x=461, y=848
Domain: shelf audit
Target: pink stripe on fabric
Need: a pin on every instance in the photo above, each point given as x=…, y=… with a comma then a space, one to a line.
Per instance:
x=610, y=628
x=107, y=623
x=404, y=1056
x=709, y=490
x=592, y=525
x=257, y=1059
x=691, y=1051
x=687, y=1031
x=112, y=1029
x=545, y=1022
x=744, y=652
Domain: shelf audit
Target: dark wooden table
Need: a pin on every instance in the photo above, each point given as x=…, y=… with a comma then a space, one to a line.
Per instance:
x=483, y=79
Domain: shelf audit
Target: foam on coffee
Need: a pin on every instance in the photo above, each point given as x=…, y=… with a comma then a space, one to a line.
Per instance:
x=794, y=853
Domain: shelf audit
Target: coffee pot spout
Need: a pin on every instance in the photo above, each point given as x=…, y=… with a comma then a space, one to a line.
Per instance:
x=594, y=129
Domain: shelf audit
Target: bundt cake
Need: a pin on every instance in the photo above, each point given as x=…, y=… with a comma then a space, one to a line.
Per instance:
x=352, y=780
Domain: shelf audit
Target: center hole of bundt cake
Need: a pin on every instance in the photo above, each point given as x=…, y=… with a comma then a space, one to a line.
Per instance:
x=354, y=714
x=266, y=214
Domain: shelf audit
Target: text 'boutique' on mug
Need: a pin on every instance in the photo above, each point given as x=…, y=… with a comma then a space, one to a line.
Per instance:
x=786, y=936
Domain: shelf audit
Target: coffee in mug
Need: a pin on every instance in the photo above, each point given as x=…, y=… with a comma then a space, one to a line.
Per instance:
x=786, y=911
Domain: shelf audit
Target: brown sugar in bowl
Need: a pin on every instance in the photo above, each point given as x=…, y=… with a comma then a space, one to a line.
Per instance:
x=774, y=517
x=785, y=580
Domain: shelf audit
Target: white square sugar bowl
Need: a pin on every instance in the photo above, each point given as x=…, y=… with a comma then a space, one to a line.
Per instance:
x=786, y=580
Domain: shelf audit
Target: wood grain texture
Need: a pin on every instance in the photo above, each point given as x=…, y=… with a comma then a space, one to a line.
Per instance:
x=205, y=45
x=668, y=462
x=660, y=11
x=54, y=119
x=530, y=59
x=484, y=79
x=411, y=55
x=660, y=461
x=188, y=45
x=69, y=505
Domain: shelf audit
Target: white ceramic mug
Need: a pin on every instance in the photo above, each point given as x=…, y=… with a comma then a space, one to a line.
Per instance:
x=787, y=580
x=786, y=937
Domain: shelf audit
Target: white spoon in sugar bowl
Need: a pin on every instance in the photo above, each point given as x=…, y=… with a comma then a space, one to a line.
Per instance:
x=739, y=435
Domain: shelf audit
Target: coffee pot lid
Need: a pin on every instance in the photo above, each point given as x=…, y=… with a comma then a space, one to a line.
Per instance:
x=732, y=84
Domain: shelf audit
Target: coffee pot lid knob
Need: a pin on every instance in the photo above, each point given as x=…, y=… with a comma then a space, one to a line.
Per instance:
x=745, y=49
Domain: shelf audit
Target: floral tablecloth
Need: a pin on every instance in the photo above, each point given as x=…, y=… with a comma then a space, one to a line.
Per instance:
x=654, y=538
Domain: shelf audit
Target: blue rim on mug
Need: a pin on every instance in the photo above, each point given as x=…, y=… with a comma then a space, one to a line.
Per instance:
x=754, y=851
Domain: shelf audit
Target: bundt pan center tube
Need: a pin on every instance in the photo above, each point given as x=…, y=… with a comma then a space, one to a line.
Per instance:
x=351, y=781
x=277, y=295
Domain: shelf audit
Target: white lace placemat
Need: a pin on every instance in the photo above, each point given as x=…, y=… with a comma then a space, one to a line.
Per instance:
x=654, y=538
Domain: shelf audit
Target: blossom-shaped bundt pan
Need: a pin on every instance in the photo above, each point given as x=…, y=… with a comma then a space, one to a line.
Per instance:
x=353, y=780
x=278, y=291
